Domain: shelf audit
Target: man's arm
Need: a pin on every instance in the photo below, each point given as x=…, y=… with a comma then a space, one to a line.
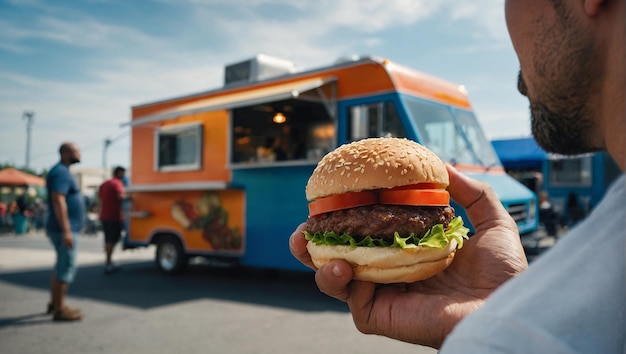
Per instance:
x=121, y=191
x=121, y=195
x=60, y=212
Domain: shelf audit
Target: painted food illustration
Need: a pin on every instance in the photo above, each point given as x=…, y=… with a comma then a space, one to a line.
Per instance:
x=209, y=216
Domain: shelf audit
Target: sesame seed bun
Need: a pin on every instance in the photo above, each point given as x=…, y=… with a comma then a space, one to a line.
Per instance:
x=370, y=164
x=375, y=163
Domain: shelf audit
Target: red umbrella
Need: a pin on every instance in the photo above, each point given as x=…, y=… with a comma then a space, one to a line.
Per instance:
x=13, y=177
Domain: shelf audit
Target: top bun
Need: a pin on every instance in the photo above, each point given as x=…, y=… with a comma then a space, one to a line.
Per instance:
x=375, y=163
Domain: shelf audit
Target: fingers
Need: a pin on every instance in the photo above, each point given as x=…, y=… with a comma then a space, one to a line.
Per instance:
x=477, y=198
x=297, y=246
x=333, y=279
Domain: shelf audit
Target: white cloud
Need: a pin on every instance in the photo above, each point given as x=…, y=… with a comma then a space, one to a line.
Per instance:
x=375, y=15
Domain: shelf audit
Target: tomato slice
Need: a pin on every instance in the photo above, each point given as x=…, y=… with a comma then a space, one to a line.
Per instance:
x=395, y=196
x=342, y=201
x=417, y=197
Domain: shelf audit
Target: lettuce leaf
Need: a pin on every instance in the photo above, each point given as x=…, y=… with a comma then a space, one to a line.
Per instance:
x=436, y=237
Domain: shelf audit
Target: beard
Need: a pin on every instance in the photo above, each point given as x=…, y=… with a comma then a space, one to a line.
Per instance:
x=564, y=84
x=561, y=131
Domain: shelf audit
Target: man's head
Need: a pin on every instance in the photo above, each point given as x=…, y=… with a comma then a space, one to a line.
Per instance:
x=69, y=153
x=119, y=172
x=565, y=48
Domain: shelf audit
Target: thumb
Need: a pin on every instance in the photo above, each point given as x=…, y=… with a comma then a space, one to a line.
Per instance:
x=477, y=198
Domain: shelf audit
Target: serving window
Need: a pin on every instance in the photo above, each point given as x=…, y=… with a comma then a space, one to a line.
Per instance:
x=178, y=147
x=298, y=129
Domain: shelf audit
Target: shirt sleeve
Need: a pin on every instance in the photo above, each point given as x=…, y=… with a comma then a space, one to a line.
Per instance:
x=60, y=183
x=496, y=335
x=119, y=187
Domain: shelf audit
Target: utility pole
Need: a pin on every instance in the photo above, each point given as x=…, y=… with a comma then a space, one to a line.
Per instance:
x=30, y=118
x=107, y=143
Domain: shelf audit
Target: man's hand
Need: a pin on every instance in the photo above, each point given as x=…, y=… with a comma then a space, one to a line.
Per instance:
x=68, y=239
x=425, y=312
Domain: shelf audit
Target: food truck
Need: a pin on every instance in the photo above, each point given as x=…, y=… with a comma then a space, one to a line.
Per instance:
x=572, y=183
x=221, y=173
x=576, y=184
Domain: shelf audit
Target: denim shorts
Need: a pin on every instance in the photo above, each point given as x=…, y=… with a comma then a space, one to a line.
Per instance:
x=65, y=267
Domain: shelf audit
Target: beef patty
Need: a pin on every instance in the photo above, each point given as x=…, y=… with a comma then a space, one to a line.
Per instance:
x=381, y=221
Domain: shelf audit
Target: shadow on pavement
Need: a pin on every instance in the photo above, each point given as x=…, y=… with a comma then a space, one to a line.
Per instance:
x=142, y=285
x=26, y=320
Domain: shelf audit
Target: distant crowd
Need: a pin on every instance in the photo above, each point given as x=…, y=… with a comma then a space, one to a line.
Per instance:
x=24, y=215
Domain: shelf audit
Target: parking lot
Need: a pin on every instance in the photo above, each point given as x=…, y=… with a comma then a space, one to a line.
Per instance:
x=139, y=310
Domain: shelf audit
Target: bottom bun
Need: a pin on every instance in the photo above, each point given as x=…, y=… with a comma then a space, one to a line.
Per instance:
x=386, y=265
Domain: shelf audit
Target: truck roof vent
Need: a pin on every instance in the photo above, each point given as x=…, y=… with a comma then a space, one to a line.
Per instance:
x=348, y=59
x=261, y=67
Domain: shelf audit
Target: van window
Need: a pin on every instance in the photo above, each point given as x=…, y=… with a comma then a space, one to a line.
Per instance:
x=178, y=147
x=374, y=120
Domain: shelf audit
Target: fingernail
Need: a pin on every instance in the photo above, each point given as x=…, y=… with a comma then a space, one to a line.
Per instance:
x=336, y=271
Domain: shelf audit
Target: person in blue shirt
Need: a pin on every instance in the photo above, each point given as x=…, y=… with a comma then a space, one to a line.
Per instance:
x=572, y=56
x=65, y=220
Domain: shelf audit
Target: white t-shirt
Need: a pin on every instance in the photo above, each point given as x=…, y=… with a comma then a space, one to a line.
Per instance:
x=570, y=300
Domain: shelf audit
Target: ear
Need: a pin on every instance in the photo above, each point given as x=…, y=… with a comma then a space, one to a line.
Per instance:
x=593, y=7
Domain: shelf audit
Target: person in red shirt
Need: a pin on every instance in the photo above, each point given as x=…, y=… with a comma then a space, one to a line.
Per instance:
x=111, y=194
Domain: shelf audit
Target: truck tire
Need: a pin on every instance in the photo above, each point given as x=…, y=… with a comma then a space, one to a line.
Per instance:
x=170, y=255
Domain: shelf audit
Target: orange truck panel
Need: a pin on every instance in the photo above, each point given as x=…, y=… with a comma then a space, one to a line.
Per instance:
x=214, y=151
x=206, y=220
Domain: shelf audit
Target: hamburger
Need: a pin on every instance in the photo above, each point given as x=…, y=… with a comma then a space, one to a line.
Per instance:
x=381, y=204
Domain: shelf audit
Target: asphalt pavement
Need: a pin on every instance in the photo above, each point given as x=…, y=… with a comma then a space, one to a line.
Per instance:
x=140, y=310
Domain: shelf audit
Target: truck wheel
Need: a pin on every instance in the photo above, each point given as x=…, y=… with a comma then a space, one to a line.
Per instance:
x=170, y=256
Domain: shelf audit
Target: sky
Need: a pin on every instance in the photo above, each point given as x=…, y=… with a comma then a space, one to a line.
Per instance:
x=81, y=65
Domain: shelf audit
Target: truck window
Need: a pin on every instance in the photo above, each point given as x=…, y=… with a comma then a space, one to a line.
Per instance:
x=374, y=120
x=438, y=130
x=575, y=171
x=474, y=133
x=178, y=147
x=288, y=130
